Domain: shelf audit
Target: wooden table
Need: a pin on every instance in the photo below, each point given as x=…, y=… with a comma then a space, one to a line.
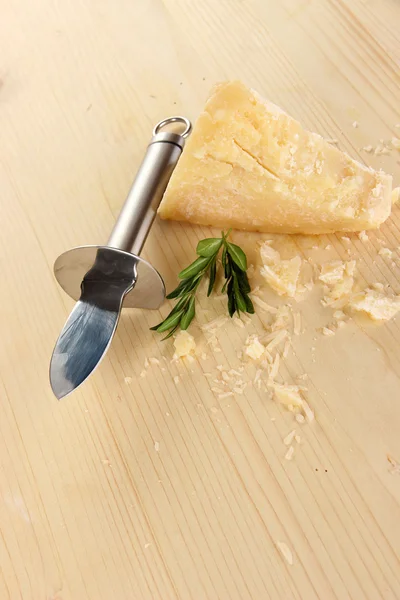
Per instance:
x=144, y=488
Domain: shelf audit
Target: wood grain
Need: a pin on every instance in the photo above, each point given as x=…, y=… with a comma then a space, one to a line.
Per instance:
x=155, y=489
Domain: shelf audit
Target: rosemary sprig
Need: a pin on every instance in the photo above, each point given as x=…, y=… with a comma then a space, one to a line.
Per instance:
x=236, y=284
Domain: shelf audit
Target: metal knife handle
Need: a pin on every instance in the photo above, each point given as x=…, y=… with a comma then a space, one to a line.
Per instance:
x=140, y=208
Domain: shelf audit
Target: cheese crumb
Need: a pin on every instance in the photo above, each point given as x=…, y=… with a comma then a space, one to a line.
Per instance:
x=385, y=252
x=363, y=236
x=128, y=380
x=396, y=143
x=339, y=315
x=157, y=446
x=281, y=275
x=378, y=306
x=271, y=309
x=332, y=272
x=289, y=454
x=286, y=552
x=355, y=124
x=300, y=418
x=254, y=349
x=154, y=361
x=327, y=331
x=339, y=276
x=288, y=395
x=184, y=344
x=368, y=148
x=176, y=379
x=289, y=438
x=225, y=395
x=296, y=323
x=309, y=413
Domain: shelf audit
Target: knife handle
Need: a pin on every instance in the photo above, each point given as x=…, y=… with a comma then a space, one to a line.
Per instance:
x=140, y=208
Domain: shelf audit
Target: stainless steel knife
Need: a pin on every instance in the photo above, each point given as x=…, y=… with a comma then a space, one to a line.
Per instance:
x=104, y=278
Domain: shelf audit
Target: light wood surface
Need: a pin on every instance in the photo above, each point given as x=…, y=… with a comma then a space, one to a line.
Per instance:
x=153, y=489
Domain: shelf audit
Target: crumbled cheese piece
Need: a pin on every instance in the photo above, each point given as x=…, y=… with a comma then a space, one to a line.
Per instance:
x=303, y=376
x=385, y=252
x=309, y=414
x=143, y=374
x=215, y=324
x=282, y=318
x=300, y=418
x=286, y=349
x=296, y=323
x=289, y=454
x=281, y=275
x=378, y=306
x=288, y=395
x=289, y=438
x=217, y=390
x=225, y=395
x=146, y=363
x=157, y=446
x=285, y=551
x=355, y=124
x=239, y=323
x=154, y=361
x=332, y=272
x=339, y=315
x=176, y=378
x=381, y=149
x=254, y=349
x=378, y=286
x=327, y=331
x=128, y=380
x=257, y=376
x=297, y=439
x=363, y=236
x=275, y=367
x=340, y=287
x=395, y=466
x=237, y=390
x=395, y=143
x=258, y=302
x=184, y=344
x=368, y=148
x=276, y=337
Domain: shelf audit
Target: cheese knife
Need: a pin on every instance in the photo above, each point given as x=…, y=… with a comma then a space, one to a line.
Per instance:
x=102, y=279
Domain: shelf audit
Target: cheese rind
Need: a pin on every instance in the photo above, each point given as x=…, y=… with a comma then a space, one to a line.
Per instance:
x=250, y=166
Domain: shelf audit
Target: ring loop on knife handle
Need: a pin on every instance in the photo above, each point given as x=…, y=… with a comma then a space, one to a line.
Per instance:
x=140, y=207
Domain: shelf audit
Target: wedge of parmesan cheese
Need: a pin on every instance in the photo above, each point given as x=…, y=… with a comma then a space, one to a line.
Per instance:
x=281, y=275
x=250, y=166
x=377, y=305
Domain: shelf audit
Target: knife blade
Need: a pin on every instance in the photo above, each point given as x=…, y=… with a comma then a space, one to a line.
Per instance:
x=114, y=273
x=91, y=325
